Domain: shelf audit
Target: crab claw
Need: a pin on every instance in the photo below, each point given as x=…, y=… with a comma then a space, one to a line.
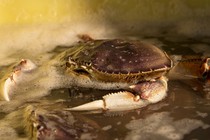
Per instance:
x=16, y=77
x=6, y=89
x=25, y=65
x=204, y=69
x=125, y=100
x=151, y=90
x=115, y=101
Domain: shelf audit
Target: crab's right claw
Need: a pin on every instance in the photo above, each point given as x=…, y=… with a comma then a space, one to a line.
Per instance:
x=113, y=102
x=120, y=101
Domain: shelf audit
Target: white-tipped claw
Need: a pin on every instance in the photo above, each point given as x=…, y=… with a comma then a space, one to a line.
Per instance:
x=95, y=105
x=6, y=89
x=16, y=77
x=112, y=102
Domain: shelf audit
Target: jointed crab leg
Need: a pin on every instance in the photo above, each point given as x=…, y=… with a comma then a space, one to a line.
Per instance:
x=154, y=91
x=205, y=69
x=191, y=66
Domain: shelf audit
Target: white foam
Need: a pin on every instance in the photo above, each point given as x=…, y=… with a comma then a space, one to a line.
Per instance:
x=7, y=133
x=8, y=126
x=106, y=128
x=32, y=41
x=162, y=126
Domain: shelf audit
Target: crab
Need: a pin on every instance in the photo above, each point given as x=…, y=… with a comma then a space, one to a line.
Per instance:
x=46, y=123
x=136, y=68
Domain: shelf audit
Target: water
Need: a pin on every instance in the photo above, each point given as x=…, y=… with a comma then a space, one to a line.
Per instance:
x=184, y=114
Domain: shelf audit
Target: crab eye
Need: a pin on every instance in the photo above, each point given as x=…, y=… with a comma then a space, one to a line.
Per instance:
x=68, y=64
x=88, y=64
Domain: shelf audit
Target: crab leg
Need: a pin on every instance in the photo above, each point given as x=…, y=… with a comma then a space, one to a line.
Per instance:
x=16, y=77
x=153, y=92
x=204, y=69
x=191, y=67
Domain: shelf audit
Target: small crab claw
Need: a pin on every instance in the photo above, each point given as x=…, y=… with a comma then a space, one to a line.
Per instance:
x=16, y=77
x=124, y=100
x=6, y=93
x=204, y=69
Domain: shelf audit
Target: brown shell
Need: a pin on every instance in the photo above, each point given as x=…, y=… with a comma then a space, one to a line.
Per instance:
x=122, y=60
x=120, y=56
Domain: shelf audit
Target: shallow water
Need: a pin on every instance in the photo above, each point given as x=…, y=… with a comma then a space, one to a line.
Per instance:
x=184, y=114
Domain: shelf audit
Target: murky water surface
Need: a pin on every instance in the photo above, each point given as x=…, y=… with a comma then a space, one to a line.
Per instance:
x=184, y=114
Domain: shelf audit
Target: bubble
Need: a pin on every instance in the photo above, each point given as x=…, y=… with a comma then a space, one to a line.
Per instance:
x=108, y=127
x=8, y=133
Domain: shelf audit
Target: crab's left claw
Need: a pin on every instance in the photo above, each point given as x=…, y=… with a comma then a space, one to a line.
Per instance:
x=125, y=100
x=9, y=83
